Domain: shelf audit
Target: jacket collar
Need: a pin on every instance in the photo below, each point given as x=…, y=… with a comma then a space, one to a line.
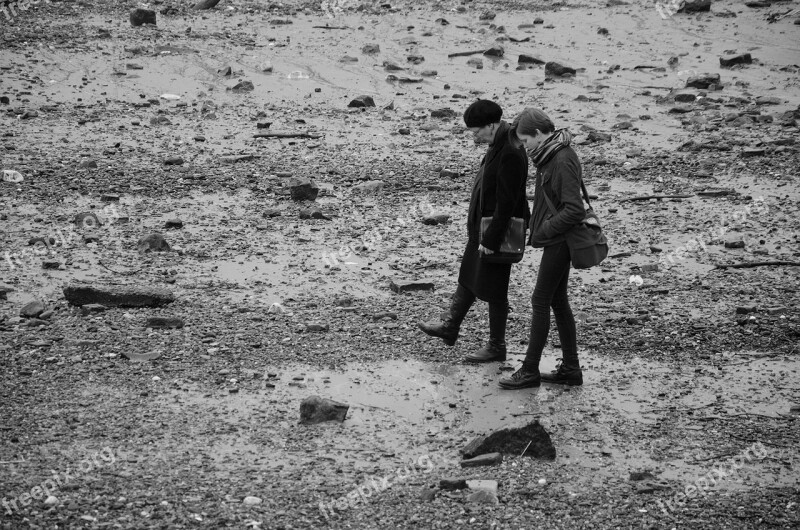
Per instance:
x=500, y=141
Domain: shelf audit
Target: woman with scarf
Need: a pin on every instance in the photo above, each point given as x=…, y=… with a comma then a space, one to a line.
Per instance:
x=558, y=175
x=498, y=192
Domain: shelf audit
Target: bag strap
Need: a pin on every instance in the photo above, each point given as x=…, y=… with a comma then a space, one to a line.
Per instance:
x=550, y=203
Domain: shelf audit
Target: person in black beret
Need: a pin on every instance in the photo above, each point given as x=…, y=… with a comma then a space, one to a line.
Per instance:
x=498, y=192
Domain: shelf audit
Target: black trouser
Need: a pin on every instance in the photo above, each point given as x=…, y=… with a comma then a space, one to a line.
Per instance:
x=551, y=291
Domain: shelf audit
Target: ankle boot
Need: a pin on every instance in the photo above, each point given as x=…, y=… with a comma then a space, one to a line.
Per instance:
x=495, y=350
x=447, y=329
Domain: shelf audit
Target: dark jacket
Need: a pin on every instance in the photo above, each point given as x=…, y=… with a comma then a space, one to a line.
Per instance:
x=560, y=178
x=502, y=190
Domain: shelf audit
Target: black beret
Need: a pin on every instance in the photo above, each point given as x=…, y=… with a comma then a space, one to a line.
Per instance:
x=482, y=113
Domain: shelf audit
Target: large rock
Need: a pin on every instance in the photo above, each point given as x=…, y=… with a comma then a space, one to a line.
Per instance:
x=529, y=59
x=489, y=459
x=302, y=189
x=206, y=4
x=362, y=102
x=695, y=6
x=514, y=442
x=32, y=309
x=554, y=69
x=405, y=287
x=495, y=51
x=143, y=16
x=154, y=242
x=703, y=81
x=744, y=58
x=315, y=409
x=118, y=295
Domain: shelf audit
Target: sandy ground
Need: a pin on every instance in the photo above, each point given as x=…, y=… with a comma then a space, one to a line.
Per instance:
x=690, y=367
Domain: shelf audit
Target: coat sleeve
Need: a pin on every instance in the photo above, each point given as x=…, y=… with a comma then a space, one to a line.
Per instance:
x=511, y=175
x=566, y=183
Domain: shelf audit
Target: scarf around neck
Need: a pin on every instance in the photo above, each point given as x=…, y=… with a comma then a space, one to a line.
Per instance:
x=553, y=144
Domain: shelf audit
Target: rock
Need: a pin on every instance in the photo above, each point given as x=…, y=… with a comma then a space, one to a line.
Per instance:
x=554, y=69
x=348, y=59
x=250, y=501
x=302, y=189
x=271, y=212
x=4, y=290
x=405, y=131
x=118, y=295
x=312, y=213
x=530, y=59
x=109, y=197
x=475, y=63
x=409, y=286
x=32, y=309
x=453, y=484
x=495, y=51
x=428, y=494
x=483, y=497
x=152, y=242
x=88, y=164
x=51, y=500
x=758, y=3
x=695, y=6
x=370, y=49
x=362, y=102
x=768, y=100
x=602, y=31
x=487, y=15
x=514, y=441
x=703, y=81
x=746, y=309
x=173, y=223
x=753, y=151
x=173, y=161
x=436, y=219
x=243, y=86
x=316, y=327
x=449, y=174
x=489, y=459
x=142, y=16
x=391, y=66
x=649, y=267
x=88, y=309
x=370, y=186
x=734, y=241
x=486, y=485
x=637, y=476
x=597, y=136
x=87, y=220
x=164, y=323
x=415, y=59
x=429, y=73
x=315, y=409
x=445, y=113
x=51, y=264
x=206, y=4
x=684, y=97
x=141, y=357
x=744, y=58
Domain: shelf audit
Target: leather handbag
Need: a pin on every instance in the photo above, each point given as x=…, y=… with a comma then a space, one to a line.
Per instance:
x=587, y=243
x=513, y=246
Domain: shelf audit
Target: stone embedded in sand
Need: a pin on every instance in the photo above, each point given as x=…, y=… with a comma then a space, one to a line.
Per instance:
x=316, y=327
x=487, y=15
x=475, y=63
x=554, y=69
x=315, y=409
x=409, y=286
x=370, y=186
x=51, y=264
x=243, y=86
x=88, y=309
x=173, y=223
x=302, y=189
x=597, y=136
x=489, y=459
x=142, y=16
x=312, y=213
x=370, y=49
x=449, y=174
x=206, y=4
x=4, y=290
x=164, y=323
x=768, y=100
x=415, y=59
x=486, y=485
x=444, y=113
x=495, y=51
x=744, y=58
x=753, y=151
x=453, y=483
x=251, y=501
x=695, y=6
x=118, y=295
x=88, y=164
x=109, y=197
x=532, y=439
x=32, y=309
x=436, y=219
x=703, y=81
x=483, y=497
x=152, y=242
x=428, y=494
x=362, y=102
x=684, y=97
x=173, y=161
x=530, y=59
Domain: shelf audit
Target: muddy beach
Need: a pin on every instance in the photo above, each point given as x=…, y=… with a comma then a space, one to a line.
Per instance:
x=284, y=188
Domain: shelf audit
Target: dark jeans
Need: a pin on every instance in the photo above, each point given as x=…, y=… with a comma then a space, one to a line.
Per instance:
x=551, y=291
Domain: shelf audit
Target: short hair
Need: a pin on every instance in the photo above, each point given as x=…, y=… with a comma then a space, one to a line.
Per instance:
x=482, y=113
x=532, y=120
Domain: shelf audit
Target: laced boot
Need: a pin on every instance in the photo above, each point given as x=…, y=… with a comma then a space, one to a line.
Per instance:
x=447, y=328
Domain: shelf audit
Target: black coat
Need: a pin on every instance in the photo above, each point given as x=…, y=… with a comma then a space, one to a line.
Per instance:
x=498, y=192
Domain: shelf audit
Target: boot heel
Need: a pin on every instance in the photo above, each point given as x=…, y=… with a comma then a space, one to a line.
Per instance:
x=449, y=342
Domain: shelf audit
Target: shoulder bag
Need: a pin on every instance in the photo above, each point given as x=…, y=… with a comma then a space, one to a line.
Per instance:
x=587, y=243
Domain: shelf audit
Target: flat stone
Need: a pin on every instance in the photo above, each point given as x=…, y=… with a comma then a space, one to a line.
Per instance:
x=152, y=242
x=533, y=439
x=453, y=483
x=703, y=81
x=495, y=51
x=475, y=63
x=746, y=309
x=173, y=223
x=173, y=161
x=444, y=113
x=109, y=197
x=483, y=497
x=428, y=494
x=409, y=286
x=118, y=295
x=753, y=151
x=88, y=309
x=362, y=102
x=311, y=213
x=695, y=6
x=449, y=174
x=316, y=327
x=51, y=264
x=530, y=59
x=489, y=459
x=302, y=189
x=732, y=60
x=315, y=409
x=164, y=323
x=436, y=219
x=554, y=69
x=485, y=485
x=32, y=309
x=370, y=186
